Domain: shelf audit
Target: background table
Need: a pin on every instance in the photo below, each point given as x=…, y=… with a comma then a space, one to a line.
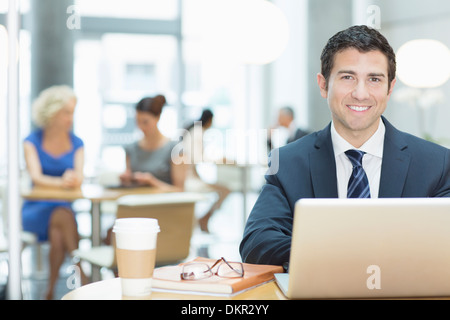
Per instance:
x=92, y=192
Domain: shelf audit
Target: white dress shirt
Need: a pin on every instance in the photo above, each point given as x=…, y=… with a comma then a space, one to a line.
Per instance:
x=371, y=161
x=292, y=130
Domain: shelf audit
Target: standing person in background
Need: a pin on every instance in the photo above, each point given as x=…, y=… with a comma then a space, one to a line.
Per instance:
x=194, y=152
x=286, y=118
x=54, y=157
x=148, y=161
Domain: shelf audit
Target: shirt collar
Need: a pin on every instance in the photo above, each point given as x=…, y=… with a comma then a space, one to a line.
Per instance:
x=373, y=146
x=292, y=127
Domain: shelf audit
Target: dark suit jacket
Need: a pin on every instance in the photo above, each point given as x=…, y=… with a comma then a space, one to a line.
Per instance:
x=306, y=168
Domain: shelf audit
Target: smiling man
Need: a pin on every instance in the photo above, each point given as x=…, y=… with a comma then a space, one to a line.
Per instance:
x=359, y=154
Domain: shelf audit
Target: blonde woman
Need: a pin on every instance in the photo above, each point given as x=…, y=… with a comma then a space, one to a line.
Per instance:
x=54, y=157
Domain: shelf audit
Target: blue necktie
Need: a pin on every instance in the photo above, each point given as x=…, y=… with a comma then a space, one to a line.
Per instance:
x=358, y=185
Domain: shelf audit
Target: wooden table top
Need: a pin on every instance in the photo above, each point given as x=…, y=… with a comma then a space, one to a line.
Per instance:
x=93, y=192
x=111, y=290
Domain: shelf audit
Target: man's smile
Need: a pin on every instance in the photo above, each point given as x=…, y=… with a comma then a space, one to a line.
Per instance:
x=358, y=108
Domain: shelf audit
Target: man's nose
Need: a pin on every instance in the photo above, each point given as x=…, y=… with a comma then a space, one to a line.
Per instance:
x=360, y=91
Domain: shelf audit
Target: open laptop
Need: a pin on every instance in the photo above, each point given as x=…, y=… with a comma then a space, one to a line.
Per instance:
x=368, y=248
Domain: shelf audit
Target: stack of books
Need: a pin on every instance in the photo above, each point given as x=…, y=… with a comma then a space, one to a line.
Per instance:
x=168, y=278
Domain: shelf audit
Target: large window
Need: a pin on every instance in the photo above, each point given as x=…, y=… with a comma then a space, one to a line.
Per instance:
x=217, y=77
x=116, y=64
x=24, y=83
x=123, y=68
x=3, y=95
x=24, y=6
x=145, y=9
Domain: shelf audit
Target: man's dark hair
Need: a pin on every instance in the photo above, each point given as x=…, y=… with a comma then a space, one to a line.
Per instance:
x=362, y=38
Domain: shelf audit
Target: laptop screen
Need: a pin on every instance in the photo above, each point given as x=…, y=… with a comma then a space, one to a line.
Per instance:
x=351, y=248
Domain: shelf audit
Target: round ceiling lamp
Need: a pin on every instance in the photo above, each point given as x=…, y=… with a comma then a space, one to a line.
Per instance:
x=423, y=63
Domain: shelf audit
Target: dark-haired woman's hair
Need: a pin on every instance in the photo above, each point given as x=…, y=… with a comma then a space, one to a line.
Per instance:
x=206, y=116
x=152, y=105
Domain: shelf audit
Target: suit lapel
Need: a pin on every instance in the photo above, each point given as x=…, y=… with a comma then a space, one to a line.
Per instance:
x=395, y=163
x=323, y=166
x=394, y=167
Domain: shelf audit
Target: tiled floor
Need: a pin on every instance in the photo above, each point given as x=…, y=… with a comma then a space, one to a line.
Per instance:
x=226, y=227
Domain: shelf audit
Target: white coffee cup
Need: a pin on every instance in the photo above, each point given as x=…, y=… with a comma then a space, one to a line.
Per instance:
x=135, y=252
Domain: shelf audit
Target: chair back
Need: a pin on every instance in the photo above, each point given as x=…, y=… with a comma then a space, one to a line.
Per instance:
x=175, y=212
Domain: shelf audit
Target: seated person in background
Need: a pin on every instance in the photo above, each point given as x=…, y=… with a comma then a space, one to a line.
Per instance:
x=55, y=158
x=193, y=150
x=357, y=79
x=149, y=160
x=286, y=118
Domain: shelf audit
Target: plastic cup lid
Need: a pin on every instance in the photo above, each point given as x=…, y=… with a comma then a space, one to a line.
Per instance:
x=136, y=225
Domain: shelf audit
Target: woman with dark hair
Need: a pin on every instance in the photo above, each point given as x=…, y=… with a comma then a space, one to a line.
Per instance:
x=193, y=152
x=149, y=161
x=206, y=120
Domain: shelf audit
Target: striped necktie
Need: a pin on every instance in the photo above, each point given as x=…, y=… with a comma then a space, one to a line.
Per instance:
x=358, y=185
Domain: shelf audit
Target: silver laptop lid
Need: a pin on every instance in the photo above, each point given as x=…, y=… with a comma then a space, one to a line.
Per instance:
x=351, y=248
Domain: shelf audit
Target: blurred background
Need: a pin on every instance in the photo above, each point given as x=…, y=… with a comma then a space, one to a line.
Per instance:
x=242, y=62
x=244, y=59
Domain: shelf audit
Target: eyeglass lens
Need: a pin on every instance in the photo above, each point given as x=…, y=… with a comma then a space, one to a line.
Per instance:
x=197, y=271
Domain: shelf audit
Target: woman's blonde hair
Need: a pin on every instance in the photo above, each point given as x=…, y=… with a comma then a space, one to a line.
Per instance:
x=50, y=101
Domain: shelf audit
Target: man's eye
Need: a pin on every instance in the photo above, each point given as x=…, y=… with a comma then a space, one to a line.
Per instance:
x=375, y=79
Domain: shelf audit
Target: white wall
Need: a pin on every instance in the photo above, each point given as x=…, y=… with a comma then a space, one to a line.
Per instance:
x=289, y=72
x=404, y=20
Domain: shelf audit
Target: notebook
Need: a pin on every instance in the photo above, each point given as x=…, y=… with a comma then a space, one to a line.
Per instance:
x=168, y=278
x=369, y=248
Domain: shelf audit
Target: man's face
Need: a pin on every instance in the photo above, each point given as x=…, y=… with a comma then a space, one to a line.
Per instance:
x=358, y=92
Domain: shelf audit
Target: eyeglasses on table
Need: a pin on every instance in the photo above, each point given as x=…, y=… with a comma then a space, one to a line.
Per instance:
x=225, y=269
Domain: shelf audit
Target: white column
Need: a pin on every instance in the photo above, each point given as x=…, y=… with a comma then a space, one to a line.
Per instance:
x=13, y=196
x=359, y=12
